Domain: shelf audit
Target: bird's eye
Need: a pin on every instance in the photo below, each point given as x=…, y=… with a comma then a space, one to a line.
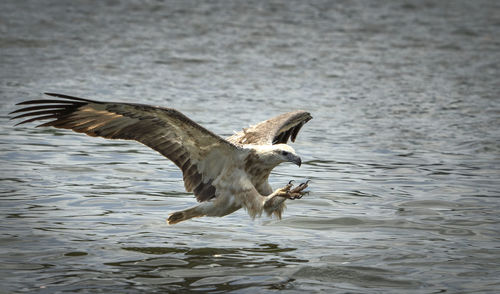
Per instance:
x=285, y=153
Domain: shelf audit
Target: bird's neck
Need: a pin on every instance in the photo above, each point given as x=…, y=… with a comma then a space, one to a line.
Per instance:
x=258, y=169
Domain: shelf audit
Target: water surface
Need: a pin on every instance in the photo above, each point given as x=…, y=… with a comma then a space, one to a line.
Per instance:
x=403, y=150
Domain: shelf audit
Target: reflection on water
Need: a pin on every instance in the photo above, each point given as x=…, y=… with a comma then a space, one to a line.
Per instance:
x=210, y=268
x=403, y=150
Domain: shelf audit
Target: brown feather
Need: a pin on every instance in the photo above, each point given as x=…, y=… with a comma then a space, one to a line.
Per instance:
x=295, y=131
x=25, y=109
x=277, y=130
x=205, y=191
x=37, y=118
x=44, y=101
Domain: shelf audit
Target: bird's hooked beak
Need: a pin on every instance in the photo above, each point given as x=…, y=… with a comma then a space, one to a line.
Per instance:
x=296, y=160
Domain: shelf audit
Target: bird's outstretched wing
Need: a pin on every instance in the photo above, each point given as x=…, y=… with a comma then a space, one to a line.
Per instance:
x=276, y=130
x=200, y=154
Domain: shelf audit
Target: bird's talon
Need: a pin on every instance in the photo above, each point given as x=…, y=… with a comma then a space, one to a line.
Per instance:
x=300, y=188
x=288, y=186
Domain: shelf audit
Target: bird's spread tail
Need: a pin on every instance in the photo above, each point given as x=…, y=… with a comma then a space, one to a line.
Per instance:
x=180, y=216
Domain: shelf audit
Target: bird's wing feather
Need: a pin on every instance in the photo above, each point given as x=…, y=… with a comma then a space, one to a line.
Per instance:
x=200, y=154
x=276, y=130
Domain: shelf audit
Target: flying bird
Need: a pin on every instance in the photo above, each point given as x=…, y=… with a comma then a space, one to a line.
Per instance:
x=224, y=174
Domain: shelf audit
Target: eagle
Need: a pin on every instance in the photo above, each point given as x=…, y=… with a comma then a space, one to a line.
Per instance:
x=224, y=174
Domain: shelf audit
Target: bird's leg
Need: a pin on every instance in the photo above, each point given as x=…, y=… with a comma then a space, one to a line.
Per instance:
x=275, y=203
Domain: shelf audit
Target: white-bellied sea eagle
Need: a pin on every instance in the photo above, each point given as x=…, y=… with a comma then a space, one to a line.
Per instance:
x=224, y=174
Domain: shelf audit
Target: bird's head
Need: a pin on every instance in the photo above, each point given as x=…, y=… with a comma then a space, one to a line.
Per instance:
x=279, y=153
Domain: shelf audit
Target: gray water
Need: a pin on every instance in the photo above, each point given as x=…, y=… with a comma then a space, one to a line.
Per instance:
x=403, y=151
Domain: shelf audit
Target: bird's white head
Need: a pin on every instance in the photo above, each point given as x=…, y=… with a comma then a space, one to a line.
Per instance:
x=276, y=154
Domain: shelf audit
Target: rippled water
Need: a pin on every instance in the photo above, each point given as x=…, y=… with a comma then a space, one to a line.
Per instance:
x=403, y=150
